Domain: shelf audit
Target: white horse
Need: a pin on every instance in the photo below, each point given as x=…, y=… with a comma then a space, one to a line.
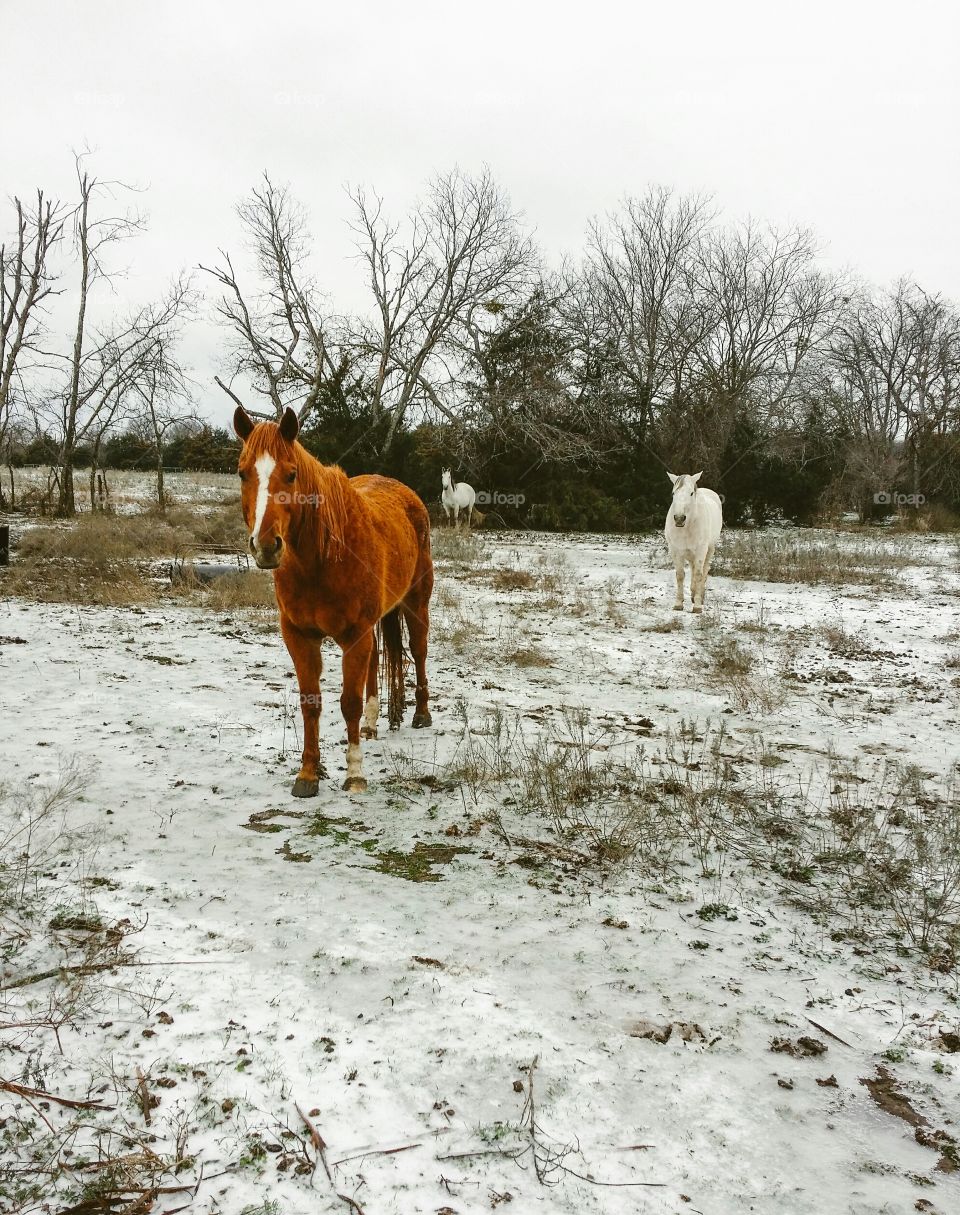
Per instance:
x=457, y=496
x=693, y=527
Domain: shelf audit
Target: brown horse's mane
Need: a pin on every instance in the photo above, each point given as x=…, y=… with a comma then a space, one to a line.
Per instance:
x=323, y=492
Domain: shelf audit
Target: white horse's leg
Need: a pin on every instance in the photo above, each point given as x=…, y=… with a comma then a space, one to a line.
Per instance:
x=704, y=572
x=696, y=584
x=469, y=518
x=678, y=565
x=456, y=517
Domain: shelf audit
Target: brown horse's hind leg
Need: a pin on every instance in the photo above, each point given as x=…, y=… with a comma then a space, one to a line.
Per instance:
x=418, y=626
x=305, y=652
x=371, y=710
x=356, y=664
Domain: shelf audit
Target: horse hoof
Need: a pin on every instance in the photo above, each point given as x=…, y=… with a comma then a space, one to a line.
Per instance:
x=678, y=607
x=368, y=732
x=355, y=784
x=422, y=719
x=696, y=608
x=305, y=788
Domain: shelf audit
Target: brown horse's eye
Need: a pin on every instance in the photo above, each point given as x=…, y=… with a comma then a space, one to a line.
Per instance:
x=291, y=477
x=242, y=475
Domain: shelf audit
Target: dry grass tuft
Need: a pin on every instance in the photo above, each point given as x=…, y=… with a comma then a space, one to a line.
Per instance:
x=671, y=625
x=104, y=559
x=815, y=559
x=102, y=583
x=462, y=550
x=253, y=589
x=104, y=538
x=221, y=525
x=512, y=580
x=529, y=656
x=743, y=674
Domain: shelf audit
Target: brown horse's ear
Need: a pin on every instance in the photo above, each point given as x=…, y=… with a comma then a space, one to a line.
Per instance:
x=243, y=424
x=289, y=425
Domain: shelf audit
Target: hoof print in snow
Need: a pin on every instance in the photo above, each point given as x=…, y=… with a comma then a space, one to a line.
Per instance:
x=828, y=1082
x=423, y=961
x=610, y=922
x=687, y=1031
x=800, y=1048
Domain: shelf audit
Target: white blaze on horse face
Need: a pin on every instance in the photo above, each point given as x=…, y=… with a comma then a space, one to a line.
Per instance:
x=265, y=465
x=684, y=489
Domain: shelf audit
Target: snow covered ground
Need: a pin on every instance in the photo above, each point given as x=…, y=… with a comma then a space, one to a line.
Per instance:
x=299, y=962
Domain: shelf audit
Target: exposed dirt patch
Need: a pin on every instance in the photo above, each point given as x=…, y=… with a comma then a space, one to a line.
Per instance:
x=290, y=854
x=886, y=1092
x=799, y=1048
x=260, y=821
x=686, y=1031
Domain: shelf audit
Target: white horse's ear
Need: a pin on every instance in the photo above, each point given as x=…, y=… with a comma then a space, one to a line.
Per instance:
x=673, y=478
x=696, y=476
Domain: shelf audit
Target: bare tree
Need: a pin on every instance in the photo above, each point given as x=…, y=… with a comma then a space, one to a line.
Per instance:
x=894, y=359
x=93, y=371
x=766, y=307
x=27, y=280
x=104, y=373
x=460, y=253
x=640, y=270
x=281, y=339
x=769, y=305
x=164, y=403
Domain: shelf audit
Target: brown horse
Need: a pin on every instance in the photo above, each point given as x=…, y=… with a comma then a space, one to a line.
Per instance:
x=349, y=558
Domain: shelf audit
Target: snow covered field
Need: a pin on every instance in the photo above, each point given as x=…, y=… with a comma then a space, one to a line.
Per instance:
x=394, y=963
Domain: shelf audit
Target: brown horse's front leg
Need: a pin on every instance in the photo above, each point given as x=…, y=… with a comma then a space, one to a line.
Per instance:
x=305, y=652
x=356, y=664
x=371, y=711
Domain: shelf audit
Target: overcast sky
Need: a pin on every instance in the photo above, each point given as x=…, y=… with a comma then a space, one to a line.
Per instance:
x=842, y=116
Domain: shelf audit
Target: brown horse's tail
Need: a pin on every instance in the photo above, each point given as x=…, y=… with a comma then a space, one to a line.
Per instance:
x=393, y=660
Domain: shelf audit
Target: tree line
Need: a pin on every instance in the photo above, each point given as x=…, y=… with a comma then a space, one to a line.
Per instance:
x=677, y=340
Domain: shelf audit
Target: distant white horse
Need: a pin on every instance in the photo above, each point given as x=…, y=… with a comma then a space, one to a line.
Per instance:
x=457, y=496
x=693, y=527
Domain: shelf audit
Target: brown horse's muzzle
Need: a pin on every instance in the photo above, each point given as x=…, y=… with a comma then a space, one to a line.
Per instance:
x=267, y=556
